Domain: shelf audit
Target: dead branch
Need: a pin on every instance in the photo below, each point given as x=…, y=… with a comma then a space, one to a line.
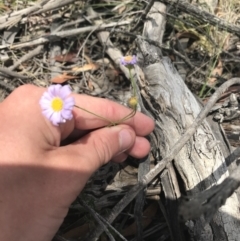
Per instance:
x=63, y=34
x=8, y=19
x=162, y=164
x=26, y=57
x=8, y=72
x=204, y=16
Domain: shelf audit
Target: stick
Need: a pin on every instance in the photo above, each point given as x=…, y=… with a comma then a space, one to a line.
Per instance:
x=131, y=194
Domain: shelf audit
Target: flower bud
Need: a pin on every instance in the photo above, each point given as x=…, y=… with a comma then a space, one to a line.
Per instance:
x=133, y=102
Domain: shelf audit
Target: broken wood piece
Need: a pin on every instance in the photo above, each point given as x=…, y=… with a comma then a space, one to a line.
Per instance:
x=7, y=72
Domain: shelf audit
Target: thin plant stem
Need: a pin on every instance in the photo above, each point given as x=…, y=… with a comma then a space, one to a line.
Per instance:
x=111, y=123
x=132, y=82
x=127, y=117
x=103, y=118
x=130, y=115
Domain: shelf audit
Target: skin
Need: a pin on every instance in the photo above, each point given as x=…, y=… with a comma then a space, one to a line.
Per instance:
x=39, y=179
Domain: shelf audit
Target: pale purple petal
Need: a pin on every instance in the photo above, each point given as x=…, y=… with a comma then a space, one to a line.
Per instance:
x=46, y=95
x=54, y=122
x=44, y=106
x=128, y=60
x=134, y=59
x=69, y=103
x=67, y=114
x=44, y=103
x=65, y=91
x=122, y=61
x=56, y=118
x=54, y=90
x=57, y=90
x=51, y=89
x=47, y=113
x=70, y=116
x=68, y=107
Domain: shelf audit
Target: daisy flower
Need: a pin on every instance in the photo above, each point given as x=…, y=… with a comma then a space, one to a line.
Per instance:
x=56, y=104
x=128, y=60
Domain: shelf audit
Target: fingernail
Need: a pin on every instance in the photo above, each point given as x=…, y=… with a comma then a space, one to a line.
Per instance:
x=125, y=140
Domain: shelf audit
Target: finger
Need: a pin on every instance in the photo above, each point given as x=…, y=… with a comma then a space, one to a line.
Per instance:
x=120, y=158
x=110, y=110
x=142, y=124
x=96, y=148
x=73, y=136
x=25, y=102
x=140, y=148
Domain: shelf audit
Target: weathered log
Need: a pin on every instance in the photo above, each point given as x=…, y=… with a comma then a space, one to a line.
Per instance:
x=201, y=161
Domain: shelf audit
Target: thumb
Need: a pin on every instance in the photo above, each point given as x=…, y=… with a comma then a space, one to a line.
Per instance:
x=98, y=147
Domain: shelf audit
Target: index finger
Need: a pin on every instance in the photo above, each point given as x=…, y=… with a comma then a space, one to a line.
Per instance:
x=109, y=110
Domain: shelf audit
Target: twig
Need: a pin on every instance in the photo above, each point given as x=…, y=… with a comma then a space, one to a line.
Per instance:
x=11, y=73
x=8, y=87
x=166, y=48
x=54, y=5
x=183, y=57
x=234, y=59
x=144, y=168
x=38, y=8
x=186, y=60
x=27, y=56
x=8, y=19
x=131, y=194
x=64, y=34
x=99, y=218
x=110, y=226
x=142, y=17
x=204, y=16
x=81, y=20
x=94, y=214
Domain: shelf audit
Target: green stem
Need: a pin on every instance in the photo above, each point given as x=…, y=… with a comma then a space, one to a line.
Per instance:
x=132, y=82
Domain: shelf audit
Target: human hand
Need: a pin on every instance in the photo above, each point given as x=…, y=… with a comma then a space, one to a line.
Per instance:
x=39, y=179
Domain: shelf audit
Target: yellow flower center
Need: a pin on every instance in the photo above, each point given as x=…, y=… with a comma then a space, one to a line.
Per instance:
x=57, y=104
x=128, y=58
